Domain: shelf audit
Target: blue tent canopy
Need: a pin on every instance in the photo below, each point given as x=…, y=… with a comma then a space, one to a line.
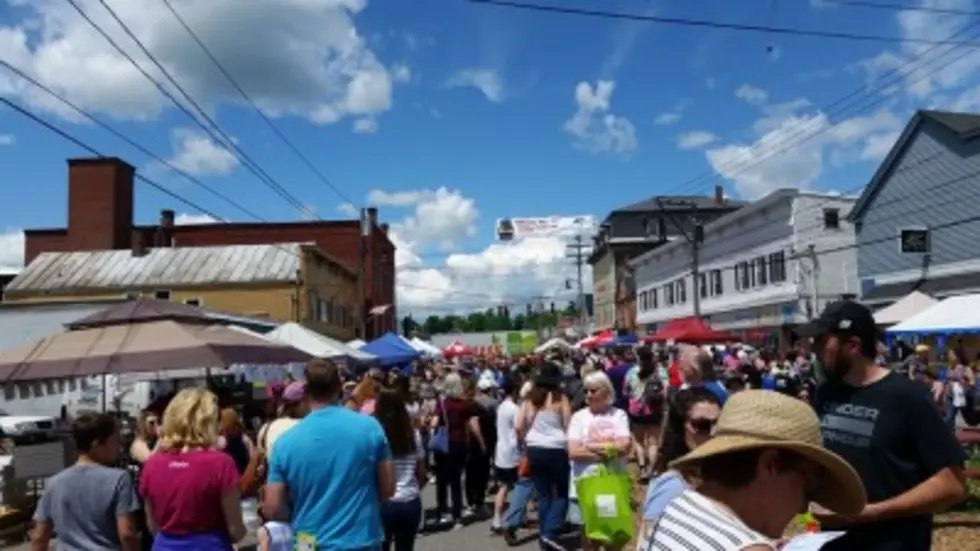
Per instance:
x=391, y=350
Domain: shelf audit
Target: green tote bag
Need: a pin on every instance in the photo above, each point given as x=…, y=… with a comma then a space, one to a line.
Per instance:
x=604, y=499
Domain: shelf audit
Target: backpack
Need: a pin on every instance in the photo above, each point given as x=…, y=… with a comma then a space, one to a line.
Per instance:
x=651, y=400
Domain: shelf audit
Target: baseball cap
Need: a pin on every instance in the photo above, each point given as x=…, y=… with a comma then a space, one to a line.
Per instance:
x=294, y=392
x=844, y=317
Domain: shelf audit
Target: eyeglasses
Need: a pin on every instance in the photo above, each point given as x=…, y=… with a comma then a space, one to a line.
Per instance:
x=703, y=427
x=592, y=390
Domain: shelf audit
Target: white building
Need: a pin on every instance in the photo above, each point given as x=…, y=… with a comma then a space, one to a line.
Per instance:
x=762, y=269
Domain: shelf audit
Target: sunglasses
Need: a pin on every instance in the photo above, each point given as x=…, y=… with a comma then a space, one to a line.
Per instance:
x=703, y=427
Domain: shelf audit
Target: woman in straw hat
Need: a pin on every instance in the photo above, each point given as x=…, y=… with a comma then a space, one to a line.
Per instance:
x=764, y=465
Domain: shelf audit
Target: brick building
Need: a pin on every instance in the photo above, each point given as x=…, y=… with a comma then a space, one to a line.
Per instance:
x=100, y=216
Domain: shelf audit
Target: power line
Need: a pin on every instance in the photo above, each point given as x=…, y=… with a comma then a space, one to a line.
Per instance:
x=859, y=100
x=211, y=128
x=127, y=139
x=241, y=91
x=191, y=204
x=722, y=25
x=896, y=7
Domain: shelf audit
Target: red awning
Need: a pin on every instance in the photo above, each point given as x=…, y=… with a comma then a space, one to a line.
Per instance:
x=691, y=331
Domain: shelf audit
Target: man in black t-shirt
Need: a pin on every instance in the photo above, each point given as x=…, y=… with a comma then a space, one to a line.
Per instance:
x=887, y=427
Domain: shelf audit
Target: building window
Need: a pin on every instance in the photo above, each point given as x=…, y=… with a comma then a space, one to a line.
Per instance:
x=162, y=294
x=703, y=285
x=132, y=295
x=831, y=219
x=761, y=270
x=193, y=302
x=681, y=290
x=654, y=298
x=777, y=267
x=716, y=288
x=669, y=294
x=643, y=301
x=751, y=267
x=742, y=277
x=915, y=241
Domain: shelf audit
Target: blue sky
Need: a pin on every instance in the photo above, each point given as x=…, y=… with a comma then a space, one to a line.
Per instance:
x=478, y=100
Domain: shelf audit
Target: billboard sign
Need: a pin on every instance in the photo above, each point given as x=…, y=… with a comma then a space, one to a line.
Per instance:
x=552, y=226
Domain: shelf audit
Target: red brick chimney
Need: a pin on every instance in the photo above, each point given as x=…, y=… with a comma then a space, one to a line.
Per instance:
x=100, y=204
x=165, y=229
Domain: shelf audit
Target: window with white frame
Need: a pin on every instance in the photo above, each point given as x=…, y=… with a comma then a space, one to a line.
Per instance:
x=669, y=294
x=777, y=267
x=643, y=302
x=742, y=276
x=752, y=281
x=716, y=286
x=703, y=285
x=681, y=290
x=654, y=294
x=761, y=271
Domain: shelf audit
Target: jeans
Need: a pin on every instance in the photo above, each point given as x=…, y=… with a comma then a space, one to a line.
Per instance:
x=549, y=474
x=522, y=492
x=477, y=477
x=449, y=479
x=401, y=521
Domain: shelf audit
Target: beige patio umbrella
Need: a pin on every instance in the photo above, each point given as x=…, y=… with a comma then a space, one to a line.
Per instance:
x=138, y=347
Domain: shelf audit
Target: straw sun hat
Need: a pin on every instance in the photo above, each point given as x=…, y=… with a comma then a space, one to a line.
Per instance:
x=754, y=419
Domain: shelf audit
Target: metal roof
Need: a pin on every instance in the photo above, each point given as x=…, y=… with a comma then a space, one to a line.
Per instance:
x=159, y=267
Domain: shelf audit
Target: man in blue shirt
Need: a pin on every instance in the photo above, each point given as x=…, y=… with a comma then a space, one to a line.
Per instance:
x=329, y=474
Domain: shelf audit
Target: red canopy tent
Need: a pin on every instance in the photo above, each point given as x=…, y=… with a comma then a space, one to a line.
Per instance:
x=457, y=349
x=690, y=331
x=596, y=340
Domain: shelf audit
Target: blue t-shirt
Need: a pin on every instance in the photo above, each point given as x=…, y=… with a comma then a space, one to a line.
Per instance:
x=616, y=376
x=661, y=492
x=329, y=464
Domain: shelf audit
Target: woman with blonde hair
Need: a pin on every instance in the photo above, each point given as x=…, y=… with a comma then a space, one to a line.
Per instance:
x=365, y=393
x=191, y=488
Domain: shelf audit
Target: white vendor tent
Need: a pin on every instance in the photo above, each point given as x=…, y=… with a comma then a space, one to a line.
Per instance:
x=356, y=343
x=425, y=348
x=910, y=305
x=554, y=344
x=315, y=344
x=953, y=316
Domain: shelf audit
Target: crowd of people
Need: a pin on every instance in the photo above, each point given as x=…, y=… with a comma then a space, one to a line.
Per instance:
x=732, y=445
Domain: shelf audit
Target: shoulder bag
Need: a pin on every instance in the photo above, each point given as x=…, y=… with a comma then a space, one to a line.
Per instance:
x=440, y=436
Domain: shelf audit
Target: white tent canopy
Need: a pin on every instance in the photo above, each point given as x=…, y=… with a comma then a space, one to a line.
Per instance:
x=554, y=344
x=425, y=348
x=910, y=305
x=315, y=344
x=356, y=343
x=954, y=315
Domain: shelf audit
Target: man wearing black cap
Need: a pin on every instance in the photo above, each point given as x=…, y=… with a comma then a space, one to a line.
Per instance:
x=888, y=428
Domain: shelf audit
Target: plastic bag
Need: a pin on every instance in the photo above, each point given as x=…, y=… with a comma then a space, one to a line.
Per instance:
x=604, y=499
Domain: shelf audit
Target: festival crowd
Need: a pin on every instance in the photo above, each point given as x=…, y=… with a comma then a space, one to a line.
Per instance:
x=732, y=445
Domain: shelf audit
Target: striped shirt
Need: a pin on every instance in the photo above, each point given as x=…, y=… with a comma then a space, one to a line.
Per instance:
x=693, y=522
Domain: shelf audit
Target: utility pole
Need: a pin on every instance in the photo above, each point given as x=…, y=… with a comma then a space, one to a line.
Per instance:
x=363, y=234
x=695, y=239
x=812, y=273
x=576, y=252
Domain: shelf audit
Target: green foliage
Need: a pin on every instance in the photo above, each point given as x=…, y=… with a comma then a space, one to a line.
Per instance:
x=493, y=319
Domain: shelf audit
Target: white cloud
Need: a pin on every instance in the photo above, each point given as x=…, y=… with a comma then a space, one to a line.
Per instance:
x=696, y=139
x=382, y=198
x=185, y=219
x=7, y=139
x=751, y=94
x=928, y=69
x=673, y=116
x=366, y=126
x=320, y=68
x=197, y=154
x=487, y=81
x=441, y=217
x=11, y=251
x=593, y=127
x=781, y=157
x=349, y=209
